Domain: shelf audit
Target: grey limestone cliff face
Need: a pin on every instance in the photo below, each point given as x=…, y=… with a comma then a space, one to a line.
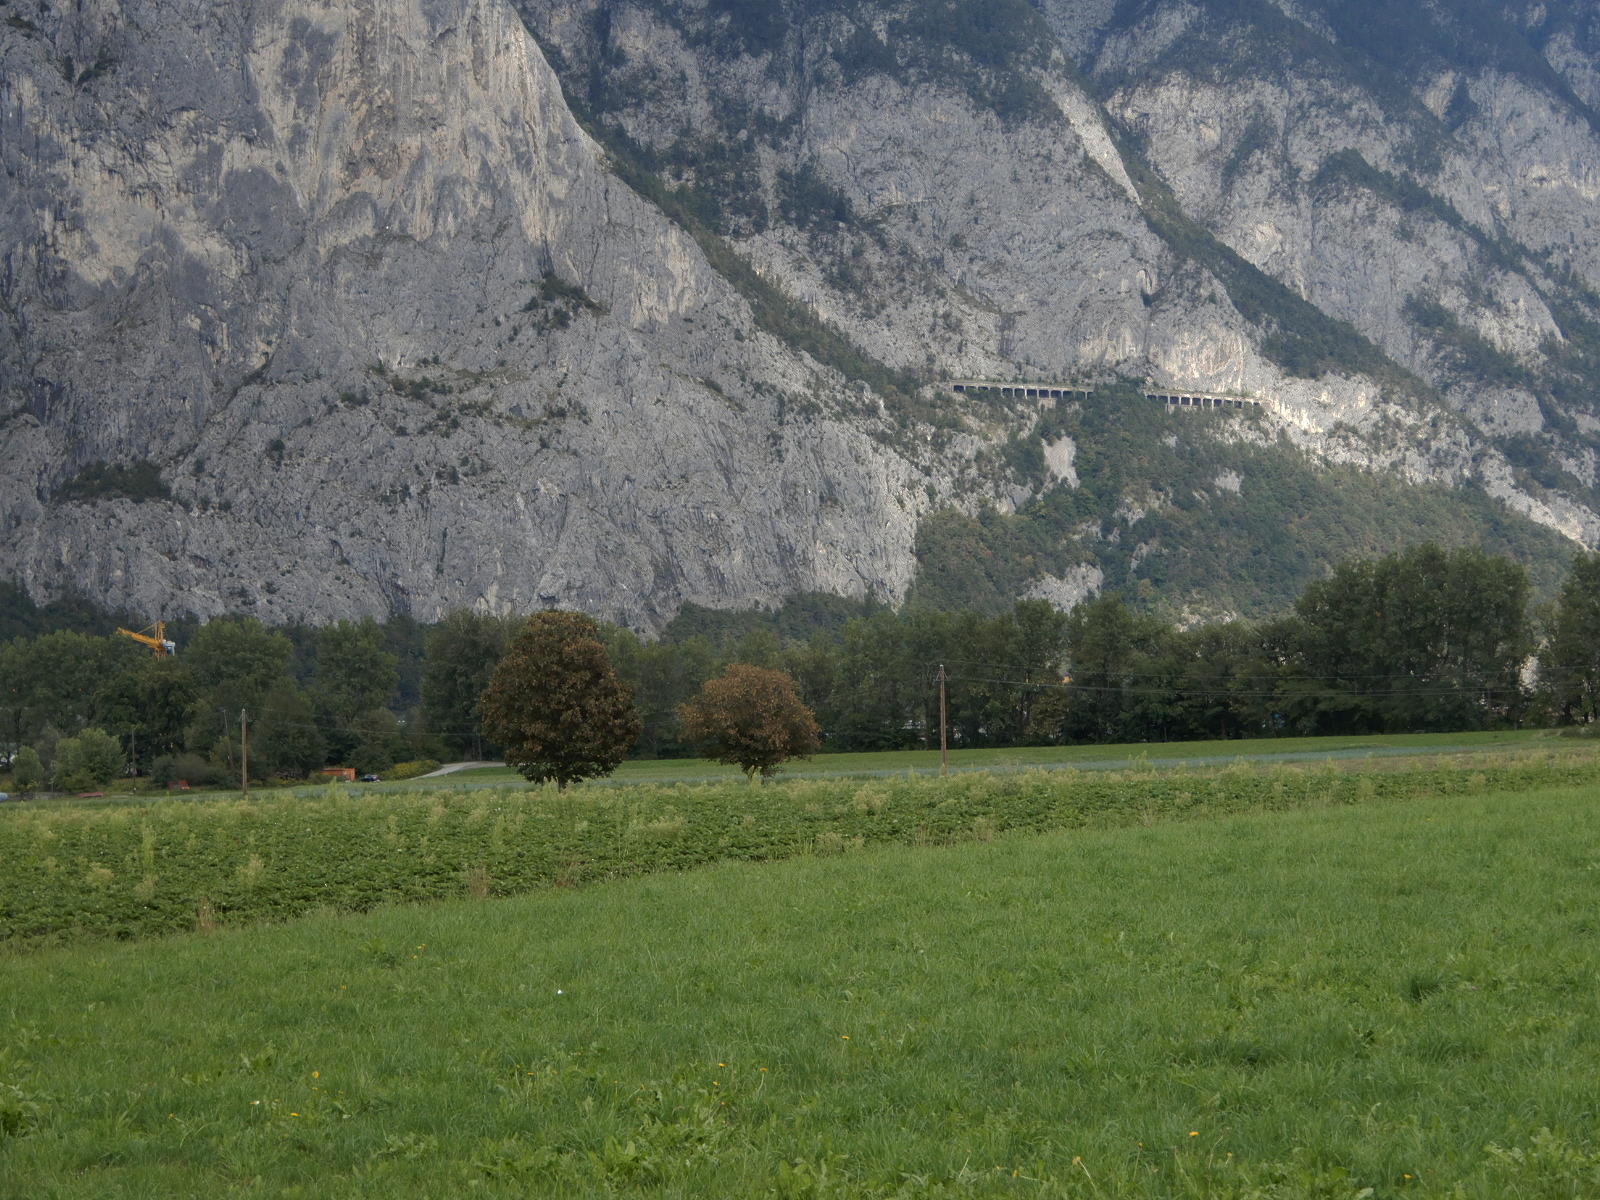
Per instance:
x=624, y=303
x=976, y=245
x=352, y=276
x=1444, y=209
x=1018, y=244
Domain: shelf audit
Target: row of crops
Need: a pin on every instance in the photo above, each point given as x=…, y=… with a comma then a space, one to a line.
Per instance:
x=143, y=870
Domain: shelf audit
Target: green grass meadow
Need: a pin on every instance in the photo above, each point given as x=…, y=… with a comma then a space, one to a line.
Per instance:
x=1383, y=985
x=880, y=762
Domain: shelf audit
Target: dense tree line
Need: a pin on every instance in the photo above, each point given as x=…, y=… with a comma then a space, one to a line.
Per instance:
x=179, y=717
x=1428, y=639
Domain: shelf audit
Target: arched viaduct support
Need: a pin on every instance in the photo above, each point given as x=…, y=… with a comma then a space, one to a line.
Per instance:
x=1176, y=400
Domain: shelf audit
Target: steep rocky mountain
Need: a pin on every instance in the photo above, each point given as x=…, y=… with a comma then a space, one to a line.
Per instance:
x=311, y=309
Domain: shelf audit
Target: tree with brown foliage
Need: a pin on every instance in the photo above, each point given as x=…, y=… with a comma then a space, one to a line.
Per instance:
x=555, y=703
x=750, y=717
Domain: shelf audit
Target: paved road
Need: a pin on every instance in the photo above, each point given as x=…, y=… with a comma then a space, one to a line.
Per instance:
x=452, y=768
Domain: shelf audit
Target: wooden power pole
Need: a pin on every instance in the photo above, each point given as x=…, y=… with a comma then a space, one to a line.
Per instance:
x=244, y=752
x=944, y=738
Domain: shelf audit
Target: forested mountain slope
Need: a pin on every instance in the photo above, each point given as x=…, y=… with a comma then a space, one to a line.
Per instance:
x=315, y=309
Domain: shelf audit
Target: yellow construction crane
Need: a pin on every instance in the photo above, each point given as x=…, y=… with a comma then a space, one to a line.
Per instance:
x=154, y=636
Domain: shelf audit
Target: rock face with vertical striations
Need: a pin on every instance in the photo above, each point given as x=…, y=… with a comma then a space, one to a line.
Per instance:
x=315, y=309
x=352, y=275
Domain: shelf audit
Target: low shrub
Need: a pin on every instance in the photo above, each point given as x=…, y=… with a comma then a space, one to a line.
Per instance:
x=410, y=770
x=90, y=760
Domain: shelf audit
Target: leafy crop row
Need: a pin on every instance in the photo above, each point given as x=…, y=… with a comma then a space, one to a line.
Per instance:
x=174, y=865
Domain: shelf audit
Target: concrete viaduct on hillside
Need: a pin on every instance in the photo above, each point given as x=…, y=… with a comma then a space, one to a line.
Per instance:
x=1070, y=391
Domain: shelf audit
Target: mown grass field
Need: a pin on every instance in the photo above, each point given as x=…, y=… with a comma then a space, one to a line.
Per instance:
x=875, y=764
x=1390, y=991
x=672, y=770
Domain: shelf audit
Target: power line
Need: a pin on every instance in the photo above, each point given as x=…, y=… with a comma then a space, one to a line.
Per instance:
x=1178, y=671
x=1277, y=693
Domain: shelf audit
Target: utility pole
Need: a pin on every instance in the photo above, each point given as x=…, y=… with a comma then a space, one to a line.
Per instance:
x=244, y=753
x=944, y=739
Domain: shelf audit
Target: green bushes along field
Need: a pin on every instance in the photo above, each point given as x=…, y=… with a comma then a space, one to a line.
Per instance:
x=139, y=870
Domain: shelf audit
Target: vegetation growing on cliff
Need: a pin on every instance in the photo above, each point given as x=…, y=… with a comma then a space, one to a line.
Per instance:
x=137, y=481
x=1150, y=512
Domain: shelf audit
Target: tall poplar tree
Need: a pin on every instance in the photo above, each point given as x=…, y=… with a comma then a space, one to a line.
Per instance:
x=1569, y=665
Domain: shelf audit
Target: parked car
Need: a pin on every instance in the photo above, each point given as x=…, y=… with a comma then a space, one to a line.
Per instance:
x=370, y=779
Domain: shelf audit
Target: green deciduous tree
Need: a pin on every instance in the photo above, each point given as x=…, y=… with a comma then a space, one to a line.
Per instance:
x=354, y=676
x=235, y=662
x=14, y=695
x=1110, y=649
x=1569, y=664
x=147, y=703
x=382, y=744
x=1026, y=646
x=237, y=659
x=57, y=679
x=879, y=688
x=752, y=718
x=354, y=673
x=1219, y=673
x=1426, y=639
x=91, y=759
x=556, y=704
x=27, y=772
x=166, y=692
x=662, y=675
x=285, y=739
x=462, y=652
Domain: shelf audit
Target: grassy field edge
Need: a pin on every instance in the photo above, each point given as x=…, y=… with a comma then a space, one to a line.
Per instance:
x=160, y=868
x=1365, y=999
